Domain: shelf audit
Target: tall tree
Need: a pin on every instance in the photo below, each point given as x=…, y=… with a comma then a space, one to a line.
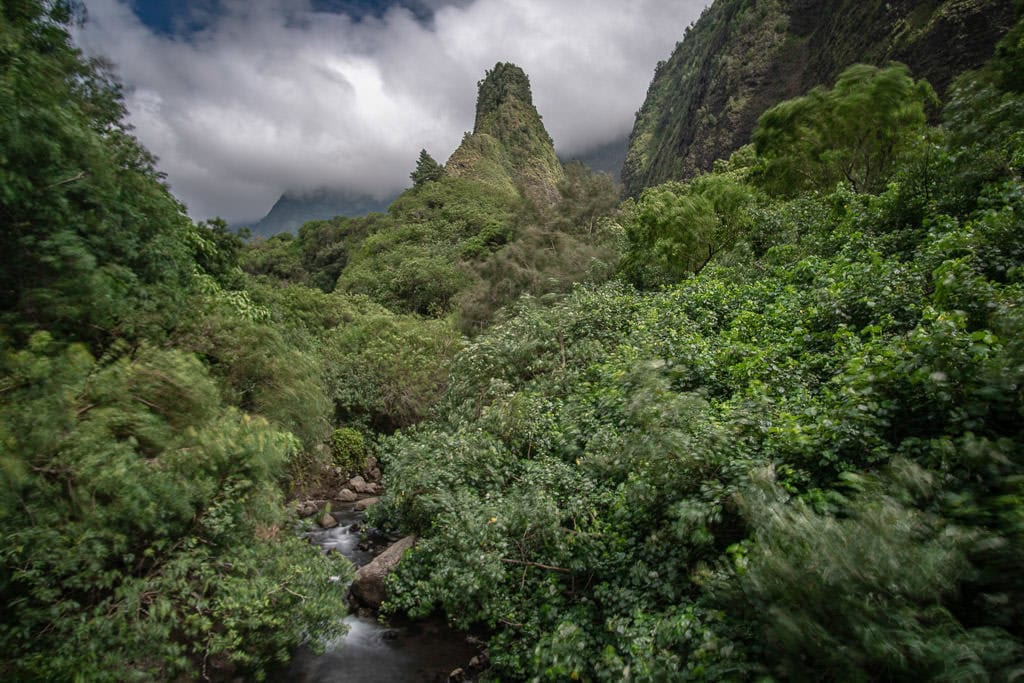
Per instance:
x=427, y=169
x=93, y=242
x=852, y=133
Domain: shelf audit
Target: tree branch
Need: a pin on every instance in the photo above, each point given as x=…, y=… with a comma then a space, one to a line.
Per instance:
x=538, y=565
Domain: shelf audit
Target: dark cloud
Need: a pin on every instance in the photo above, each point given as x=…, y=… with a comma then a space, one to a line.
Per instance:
x=264, y=96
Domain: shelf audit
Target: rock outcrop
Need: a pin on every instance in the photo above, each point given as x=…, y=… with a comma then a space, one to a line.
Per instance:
x=368, y=585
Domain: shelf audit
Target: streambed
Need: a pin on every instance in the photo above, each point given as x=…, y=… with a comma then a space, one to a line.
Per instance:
x=372, y=652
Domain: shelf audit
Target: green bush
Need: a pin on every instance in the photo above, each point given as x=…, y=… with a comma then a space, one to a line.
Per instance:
x=141, y=523
x=348, y=449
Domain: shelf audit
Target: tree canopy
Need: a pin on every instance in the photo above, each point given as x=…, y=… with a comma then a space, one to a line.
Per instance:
x=426, y=169
x=853, y=132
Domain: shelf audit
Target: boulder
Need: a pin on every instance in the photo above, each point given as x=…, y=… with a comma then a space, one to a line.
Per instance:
x=365, y=503
x=480, y=662
x=306, y=508
x=359, y=485
x=327, y=521
x=368, y=585
x=348, y=496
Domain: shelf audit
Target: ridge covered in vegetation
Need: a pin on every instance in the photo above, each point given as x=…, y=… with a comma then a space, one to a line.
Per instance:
x=500, y=219
x=742, y=57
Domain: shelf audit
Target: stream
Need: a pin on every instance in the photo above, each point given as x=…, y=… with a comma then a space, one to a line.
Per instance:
x=371, y=652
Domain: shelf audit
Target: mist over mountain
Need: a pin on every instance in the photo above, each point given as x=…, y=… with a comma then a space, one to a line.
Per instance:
x=292, y=209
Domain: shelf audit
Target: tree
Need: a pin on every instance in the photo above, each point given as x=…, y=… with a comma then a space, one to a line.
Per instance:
x=853, y=133
x=94, y=244
x=426, y=169
x=679, y=228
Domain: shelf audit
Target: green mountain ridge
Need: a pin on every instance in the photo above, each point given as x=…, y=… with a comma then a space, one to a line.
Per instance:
x=495, y=222
x=742, y=57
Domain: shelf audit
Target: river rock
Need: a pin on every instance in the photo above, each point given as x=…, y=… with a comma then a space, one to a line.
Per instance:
x=368, y=585
x=374, y=474
x=328, y=521
x=457, y=676
x=366, y=503
x=306, y=508
x=348, y=496
x=480, y=662
x=371, y=463
x=359, y=485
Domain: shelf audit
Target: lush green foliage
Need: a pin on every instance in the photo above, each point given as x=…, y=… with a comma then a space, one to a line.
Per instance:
x=348, y=447
x=142, y=523
x=740, y=58
x=679, y=228
x=143, y=442
x=803, y=462
x=853, y=133
x=94, y=245
x=795, y=452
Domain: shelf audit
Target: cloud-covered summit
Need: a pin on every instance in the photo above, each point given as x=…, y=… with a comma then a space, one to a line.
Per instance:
x=264, y=96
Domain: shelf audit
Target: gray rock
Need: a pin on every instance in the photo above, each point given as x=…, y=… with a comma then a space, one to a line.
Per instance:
x=368, y=585
x=327, y=521
x=348, y=496
x=480, y=662
x=457, y=676
x=306, y=508
x=366, y=503
x=359, y=485
x=374, y=474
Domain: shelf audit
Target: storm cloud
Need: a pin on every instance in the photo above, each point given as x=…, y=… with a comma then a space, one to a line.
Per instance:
x=270, y=96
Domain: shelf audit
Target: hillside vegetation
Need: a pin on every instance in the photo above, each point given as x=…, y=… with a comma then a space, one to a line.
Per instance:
x=791, y=448
x=764, y=423
x=500, y=219
x=742, y=57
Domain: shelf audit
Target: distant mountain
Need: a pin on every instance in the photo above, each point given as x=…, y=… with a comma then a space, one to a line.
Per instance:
x=293, y=209
x=607, y=158
x=742, y=57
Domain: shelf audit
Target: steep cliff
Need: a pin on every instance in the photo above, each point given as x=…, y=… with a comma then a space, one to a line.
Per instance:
x=743, y=56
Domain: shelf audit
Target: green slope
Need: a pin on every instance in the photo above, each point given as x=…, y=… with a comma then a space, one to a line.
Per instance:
x=742, y=57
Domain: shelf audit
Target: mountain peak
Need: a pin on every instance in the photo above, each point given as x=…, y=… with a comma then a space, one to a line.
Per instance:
x=509, y=146
x=506, y=85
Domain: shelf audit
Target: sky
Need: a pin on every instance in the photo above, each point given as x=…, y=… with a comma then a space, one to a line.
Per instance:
x=242, y=100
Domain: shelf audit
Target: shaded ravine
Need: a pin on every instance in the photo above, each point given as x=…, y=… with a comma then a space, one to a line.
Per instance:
x=372, y=652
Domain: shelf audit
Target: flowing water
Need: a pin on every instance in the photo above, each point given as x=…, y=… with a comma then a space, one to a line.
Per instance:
x=371, y=652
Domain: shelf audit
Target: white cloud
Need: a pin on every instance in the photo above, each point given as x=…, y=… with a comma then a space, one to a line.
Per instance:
x=272, y=96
